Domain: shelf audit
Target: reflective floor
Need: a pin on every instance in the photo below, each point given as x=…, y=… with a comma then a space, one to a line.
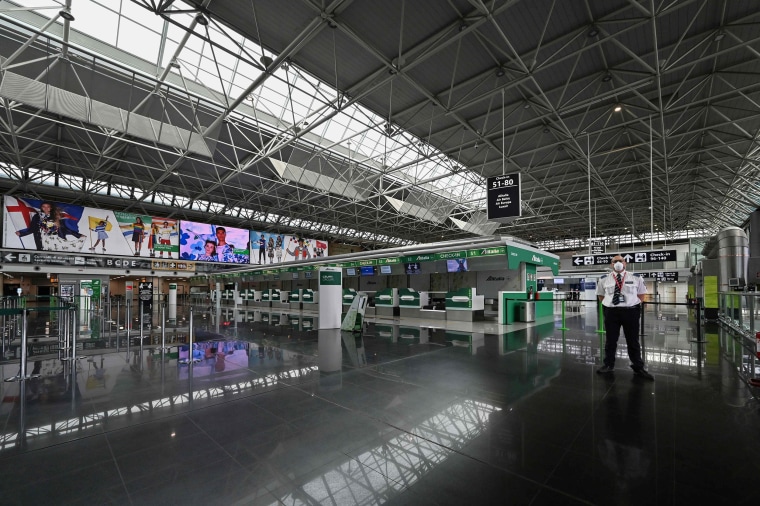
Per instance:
x=268, y=410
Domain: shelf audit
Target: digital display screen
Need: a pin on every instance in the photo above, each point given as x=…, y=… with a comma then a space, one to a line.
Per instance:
x=350, y=271
x=385, y=269
x=559, y=281
x=368, y=270
x=412, y=268
x=213, y=243
x=456, y=265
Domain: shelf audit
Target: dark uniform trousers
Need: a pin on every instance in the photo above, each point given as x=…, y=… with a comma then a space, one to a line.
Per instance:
x=628, y=318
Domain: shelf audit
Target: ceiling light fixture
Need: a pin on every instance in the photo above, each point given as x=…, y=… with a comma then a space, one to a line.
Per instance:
x=67, y=15
x=593, y=32
x=618, y=108
x=607, y=78
x=500, y=72
x=266, y=61
x=719, y=36
x=201, y=19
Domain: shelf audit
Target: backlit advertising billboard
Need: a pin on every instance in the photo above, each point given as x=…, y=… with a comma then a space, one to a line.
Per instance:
x=213, y=243
x=269, y=248
x=42, y=225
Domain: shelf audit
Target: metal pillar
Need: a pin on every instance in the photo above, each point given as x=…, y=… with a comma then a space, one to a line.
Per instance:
x=164, y=349
x=21, y=376
x=118, y=311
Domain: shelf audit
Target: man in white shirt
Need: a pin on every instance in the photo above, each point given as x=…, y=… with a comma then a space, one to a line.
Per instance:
x=621, y=294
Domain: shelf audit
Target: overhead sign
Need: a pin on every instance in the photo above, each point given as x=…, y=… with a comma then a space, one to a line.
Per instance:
x=660, y=276
x=503, y=196
x=638, y=257
x=172, y=265
x=598, y=248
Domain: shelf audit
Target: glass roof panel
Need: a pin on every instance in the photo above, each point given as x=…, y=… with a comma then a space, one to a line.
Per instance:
x=136, y=30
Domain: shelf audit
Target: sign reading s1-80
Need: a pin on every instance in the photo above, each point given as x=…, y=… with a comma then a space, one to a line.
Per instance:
x=503, y=196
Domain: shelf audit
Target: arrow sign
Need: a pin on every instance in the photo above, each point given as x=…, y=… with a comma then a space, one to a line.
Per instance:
x=10, y=257
x=636, y=257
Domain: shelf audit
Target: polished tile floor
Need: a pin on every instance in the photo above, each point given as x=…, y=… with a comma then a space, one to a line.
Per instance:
x=272, y=411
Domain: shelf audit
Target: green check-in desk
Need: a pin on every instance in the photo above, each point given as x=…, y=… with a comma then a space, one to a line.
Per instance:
x=465, y=305
x=370, y=309
x=294, y=299
x=310, y=299
x=263, y=299
x=347, y=297
x=410, y=302
x=386, y=303
x=280, y=301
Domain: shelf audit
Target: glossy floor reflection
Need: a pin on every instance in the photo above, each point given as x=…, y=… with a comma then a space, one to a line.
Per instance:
x=270, y=411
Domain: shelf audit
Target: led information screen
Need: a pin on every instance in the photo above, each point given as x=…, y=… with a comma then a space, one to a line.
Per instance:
x=503, y=196
x=214, y=243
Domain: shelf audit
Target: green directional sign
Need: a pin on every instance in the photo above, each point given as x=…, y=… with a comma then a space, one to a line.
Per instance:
x=516, y=256
x=487, y=252
x=388, y=261
x=450, y=254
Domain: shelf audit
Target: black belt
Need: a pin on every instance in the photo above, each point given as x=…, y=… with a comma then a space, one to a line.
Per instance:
x=624, y=307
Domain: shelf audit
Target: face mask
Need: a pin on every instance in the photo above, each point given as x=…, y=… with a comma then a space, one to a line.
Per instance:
x=618, y=266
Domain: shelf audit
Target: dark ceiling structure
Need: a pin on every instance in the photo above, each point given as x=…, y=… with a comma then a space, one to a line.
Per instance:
x=622, y=117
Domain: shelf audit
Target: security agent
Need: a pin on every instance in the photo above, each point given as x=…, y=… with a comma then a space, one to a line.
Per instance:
x=621, y=294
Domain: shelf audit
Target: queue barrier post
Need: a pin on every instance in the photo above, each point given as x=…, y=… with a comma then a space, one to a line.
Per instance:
x=21, y=376
x=564, y=326
x=698, y=315
x=600, y=314
x=164, y=348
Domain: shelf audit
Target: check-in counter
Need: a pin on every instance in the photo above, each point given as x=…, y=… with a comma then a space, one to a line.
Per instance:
x=465, y=305
x=247, y=296
x=231, y=297
x=410, y=302
x=386, y=303
x=347, y=297
x=280, y=299
x=294, y=300
x=265, y=301
x=310, y=299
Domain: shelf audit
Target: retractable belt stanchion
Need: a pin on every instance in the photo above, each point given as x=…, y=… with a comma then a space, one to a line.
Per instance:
x=128, y=322
x=21, y=376
x=64, y=329
x=698, y=311
x=4, y=332
x=118, y=311
x=643, y=310
x=600, y=319
x=564, y=326
x=142, y=326
x=74, y=332
x=190, y=358
x=164, y=349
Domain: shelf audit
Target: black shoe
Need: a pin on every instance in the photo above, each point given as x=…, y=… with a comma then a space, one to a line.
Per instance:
x=605, y=369
x=641, y=373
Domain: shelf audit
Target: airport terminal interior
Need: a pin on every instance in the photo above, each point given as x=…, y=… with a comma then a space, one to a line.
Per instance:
x=349, y=253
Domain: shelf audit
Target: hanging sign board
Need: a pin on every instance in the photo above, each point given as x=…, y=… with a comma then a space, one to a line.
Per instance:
x=503, y=196
x=598, y=248
x=638, y=257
